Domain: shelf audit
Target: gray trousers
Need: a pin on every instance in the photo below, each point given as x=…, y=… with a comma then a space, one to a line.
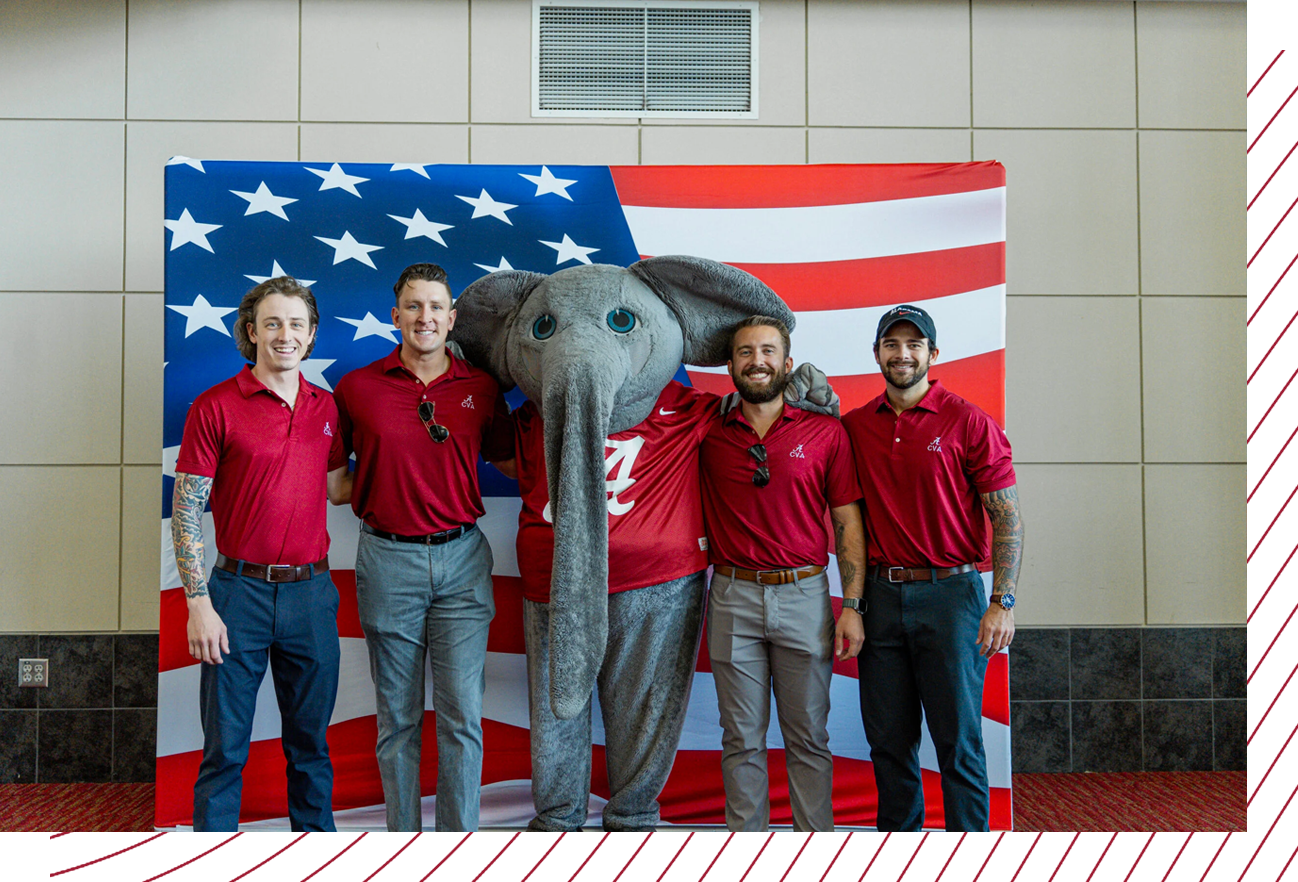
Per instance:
x=644, y=687
x=773, y=636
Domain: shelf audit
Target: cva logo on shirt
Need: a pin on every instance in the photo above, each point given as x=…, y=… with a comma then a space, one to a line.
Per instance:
x=327, y=430
x=936, y=445
x=467, y=402
x=797, y=452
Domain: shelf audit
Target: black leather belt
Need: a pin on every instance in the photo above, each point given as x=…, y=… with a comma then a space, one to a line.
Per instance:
x=273, y=572
x=916, y=574
x=431, y=539
x=769, y=577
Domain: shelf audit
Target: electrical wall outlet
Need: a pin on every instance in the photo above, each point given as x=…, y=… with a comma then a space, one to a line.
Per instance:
x=33, y=672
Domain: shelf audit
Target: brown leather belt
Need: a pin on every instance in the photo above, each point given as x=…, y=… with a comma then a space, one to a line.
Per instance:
x=273, y=572
x=769, y=577
x=915, y=574
x=431, y=539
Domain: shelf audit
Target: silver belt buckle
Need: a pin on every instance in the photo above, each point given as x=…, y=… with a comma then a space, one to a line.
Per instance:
x=890, y=571
x=289, y=571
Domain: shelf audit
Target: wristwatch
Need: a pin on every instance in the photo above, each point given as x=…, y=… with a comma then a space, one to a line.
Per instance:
x=856, y=603
x=1005, y=600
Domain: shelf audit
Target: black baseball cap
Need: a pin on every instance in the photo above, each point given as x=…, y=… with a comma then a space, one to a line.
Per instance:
x=907, y=313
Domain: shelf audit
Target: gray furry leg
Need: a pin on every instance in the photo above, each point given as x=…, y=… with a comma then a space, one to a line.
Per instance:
x=644, y=687
x=560, y=748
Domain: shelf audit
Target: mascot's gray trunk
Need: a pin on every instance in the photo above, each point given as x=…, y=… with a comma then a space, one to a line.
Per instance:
x=576, y=406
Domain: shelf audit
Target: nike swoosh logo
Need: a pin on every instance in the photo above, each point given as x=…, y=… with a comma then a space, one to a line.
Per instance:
x=665, y=412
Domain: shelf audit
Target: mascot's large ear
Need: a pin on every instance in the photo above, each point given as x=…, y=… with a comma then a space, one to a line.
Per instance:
x=709, y=299
x=484, y=314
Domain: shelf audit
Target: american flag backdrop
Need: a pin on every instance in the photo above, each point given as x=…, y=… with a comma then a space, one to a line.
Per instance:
x=839, y=243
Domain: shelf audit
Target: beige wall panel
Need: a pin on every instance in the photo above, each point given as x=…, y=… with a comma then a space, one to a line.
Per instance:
x=1069, y=395
x=212, y=59
x=781, y=74
x=58, y=541
x=500, y=65
x=889, y=145
x=1193, y=362
x=142, y=379
x=61, y=357
x=1194, y=532
x=556, y=145
x=63, y=58
x=342, y=142
x=1082, y=558
x=1191, y=65
x=1047, y=64
x=1071, y=207
x=1192, y=212
x=148, y=147
x=62, y=205
x=723, y=145
x=389, y=60
x=889, y=63
x=141, y=546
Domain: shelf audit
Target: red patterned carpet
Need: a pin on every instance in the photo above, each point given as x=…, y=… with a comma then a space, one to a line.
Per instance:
x=1118, y=802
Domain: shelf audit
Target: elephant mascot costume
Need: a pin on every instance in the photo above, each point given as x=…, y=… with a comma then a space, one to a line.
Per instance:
x=595, y=348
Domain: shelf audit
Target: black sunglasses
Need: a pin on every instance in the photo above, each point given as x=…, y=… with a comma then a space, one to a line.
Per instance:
x=761, y=475
x=436, y=432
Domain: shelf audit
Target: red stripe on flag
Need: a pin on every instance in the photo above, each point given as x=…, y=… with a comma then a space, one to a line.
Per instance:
x=980, y=378
x=791, y=186
x=883, y=281
x=996, y=689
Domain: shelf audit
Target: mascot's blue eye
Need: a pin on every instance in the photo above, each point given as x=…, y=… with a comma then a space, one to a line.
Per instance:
x=543, y=328
x=621, y=321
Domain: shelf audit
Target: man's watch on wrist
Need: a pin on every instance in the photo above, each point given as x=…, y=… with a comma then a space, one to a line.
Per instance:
x=1005, y=601
x=856, y=603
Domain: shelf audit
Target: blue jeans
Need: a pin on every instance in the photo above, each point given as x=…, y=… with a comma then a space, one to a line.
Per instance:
x=434, y=601
x=294, y=625
x=920, y=652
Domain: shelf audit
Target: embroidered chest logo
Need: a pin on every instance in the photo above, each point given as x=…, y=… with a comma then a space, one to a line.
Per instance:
x=328, y=430
x=797, y=452
x=936, y=445
x=467, y=402
x=617, y=475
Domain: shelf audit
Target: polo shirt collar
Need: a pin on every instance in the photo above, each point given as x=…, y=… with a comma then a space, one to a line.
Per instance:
x=457, y=370
x=932, y=400
x=249, y=385
x=790, y=414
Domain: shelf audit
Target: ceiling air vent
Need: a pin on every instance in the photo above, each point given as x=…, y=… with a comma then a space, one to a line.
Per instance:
x=664, y=59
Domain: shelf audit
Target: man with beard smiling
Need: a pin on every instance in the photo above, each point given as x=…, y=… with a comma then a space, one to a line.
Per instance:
x=768, y=474
x=930, y=464
x=417, y=420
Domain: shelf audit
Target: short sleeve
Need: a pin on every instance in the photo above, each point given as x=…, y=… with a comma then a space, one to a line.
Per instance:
x=989, y=460
x=841, y=484
x=498, y=432
x=200, y=446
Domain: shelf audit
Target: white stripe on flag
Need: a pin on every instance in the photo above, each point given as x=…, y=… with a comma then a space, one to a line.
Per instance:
x=816, y=234
x=841, y=340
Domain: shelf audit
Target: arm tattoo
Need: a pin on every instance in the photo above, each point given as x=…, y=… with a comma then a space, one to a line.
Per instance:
x=187, y=503
x=847, y=569
x=1007, y=538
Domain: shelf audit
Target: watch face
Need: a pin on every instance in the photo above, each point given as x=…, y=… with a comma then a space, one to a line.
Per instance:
x=1007, y=601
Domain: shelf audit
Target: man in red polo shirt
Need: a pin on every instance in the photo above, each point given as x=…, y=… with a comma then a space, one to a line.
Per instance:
x=769, y=472
x=260, y=445
x=417, y=420
x=930, y=464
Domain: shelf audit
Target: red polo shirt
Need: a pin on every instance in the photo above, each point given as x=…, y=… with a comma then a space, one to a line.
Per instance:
x=268, y=462
x=655, y=524
x=921, y=473
x=782, y=525
x=405, y=482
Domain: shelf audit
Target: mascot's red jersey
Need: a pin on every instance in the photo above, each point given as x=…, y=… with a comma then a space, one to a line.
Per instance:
x=655, y=513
